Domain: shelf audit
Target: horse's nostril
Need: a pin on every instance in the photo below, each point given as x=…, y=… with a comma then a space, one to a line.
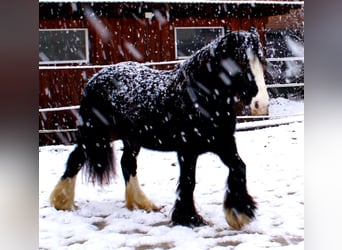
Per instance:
x=256, y=105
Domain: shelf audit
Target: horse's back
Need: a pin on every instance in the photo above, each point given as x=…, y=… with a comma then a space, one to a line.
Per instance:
x=131, y=82
x=128, y=96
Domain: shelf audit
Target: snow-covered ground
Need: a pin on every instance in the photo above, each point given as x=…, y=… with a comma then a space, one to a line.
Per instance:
x=275, y=178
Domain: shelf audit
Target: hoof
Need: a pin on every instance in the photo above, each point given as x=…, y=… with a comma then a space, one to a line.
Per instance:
x=235, y=219
x=136, y=198
x=192, y=221
x=239, y=210
x=146, y=205
x=62, y=197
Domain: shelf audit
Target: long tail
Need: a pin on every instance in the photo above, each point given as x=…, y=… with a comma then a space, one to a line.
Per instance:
x=99, y=154
x=95, y=141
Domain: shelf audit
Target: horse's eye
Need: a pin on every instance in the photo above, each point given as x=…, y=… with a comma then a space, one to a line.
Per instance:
x=256, y=104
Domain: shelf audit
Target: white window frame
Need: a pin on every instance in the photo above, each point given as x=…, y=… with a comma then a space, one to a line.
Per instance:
x=191, y=28
x=80, y=61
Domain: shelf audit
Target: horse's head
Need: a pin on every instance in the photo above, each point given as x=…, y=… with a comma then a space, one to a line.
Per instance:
x=241, y=60
x=231, y=67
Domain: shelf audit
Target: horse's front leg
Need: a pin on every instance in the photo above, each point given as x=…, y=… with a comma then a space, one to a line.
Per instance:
x=184, y=212
x=135, y=197
x=239, y=206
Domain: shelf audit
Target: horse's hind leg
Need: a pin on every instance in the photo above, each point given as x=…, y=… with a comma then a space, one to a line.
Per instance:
x=239, y=206
x=62, y=197
x=135, y=197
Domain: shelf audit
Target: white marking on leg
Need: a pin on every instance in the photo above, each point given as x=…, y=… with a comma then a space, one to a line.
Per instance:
x=259, y=104
x=135, y=197
x=62, y=197
x=235, y=219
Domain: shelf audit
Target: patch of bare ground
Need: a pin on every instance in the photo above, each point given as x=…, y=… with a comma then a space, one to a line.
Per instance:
x=162, y=245
x=284, y=241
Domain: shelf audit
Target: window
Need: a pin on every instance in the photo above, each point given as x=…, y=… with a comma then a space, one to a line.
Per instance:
x=276, y=45
x=58, y=46
x=191, y=39
x=284, y=49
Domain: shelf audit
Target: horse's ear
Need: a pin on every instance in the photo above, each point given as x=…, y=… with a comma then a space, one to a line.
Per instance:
x=253, y=30
x=227, y=31
x=256, y=41
x=255, y=34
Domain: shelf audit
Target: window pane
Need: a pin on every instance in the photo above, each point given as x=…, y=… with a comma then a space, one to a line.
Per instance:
x=189, y=40
x=276, y=42
x=63, y=46
x=280, y=71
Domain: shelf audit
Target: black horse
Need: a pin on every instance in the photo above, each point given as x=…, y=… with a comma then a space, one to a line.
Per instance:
x=189, y=110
